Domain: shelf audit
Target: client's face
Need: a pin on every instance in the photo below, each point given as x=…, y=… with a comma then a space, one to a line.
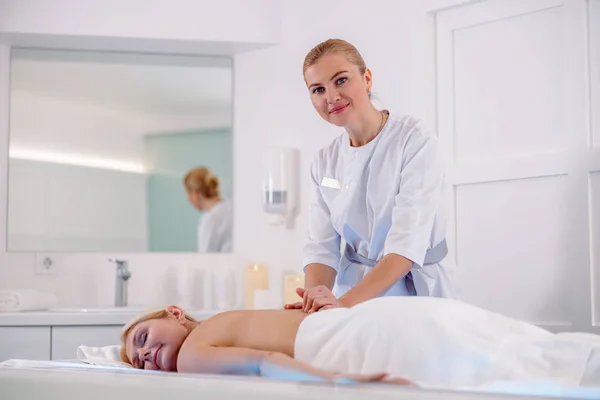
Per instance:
x=155, y=344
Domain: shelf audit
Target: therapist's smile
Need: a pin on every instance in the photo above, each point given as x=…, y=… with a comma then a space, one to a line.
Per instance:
x=339, y=109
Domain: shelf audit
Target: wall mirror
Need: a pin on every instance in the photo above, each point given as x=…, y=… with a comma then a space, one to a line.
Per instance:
x=101, y=145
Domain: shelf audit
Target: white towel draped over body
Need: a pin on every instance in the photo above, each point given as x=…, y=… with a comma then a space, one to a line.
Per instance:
x=25, y=300
x=440, y=343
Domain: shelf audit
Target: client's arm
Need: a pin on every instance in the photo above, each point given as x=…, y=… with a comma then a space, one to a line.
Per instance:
x=242, y=361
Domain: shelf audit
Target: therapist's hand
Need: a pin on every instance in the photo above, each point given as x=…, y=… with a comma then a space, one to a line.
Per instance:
x=293, y=306
x=318, y=298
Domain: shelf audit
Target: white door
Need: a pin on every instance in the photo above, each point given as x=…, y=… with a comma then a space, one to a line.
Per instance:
x=514, y=115
x=594, y=68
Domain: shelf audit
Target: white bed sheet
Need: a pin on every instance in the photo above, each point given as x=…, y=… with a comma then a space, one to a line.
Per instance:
x=60, y=380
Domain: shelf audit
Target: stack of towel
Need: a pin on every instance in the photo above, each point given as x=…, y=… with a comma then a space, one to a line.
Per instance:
x=25, y=300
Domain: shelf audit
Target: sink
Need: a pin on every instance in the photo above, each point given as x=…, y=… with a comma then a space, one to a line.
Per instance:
x=116, y=310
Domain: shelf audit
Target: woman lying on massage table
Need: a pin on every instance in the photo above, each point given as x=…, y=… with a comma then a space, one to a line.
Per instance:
x=433, y=342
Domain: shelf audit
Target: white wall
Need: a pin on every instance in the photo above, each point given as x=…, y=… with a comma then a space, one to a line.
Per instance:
x=178, y=26
x=594, y=178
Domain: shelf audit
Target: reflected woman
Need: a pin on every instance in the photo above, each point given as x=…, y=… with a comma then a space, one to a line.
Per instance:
x=215, y=226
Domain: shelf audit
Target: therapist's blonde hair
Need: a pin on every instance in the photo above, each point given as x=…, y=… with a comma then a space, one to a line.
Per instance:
x=339, y=46
x=155, y=314
x=204, y=181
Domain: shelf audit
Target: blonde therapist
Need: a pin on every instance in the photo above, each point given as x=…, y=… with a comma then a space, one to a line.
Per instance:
x=376, y=190
x=215, y=228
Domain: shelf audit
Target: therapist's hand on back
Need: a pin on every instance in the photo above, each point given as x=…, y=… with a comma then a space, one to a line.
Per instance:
x=315, y=299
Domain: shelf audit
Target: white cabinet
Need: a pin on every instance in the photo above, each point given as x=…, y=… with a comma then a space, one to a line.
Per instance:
x=66, y=339
x=53, y=342
x=31, y=342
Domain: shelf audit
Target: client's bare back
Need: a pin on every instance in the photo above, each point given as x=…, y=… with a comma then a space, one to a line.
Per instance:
x=267, y=330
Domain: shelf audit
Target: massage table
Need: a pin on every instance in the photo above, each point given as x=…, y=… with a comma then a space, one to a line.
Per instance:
x=60, y=380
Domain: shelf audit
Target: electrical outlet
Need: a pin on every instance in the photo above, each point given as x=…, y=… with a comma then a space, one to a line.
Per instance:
x=44, y=265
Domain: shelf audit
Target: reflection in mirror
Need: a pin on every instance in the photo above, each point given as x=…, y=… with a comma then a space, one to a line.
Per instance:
x=115, y=152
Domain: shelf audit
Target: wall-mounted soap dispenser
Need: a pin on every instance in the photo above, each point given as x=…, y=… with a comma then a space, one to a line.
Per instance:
x=280, y=185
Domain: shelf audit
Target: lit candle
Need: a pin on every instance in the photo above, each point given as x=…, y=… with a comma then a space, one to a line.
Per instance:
x=255, y=278
x=290, y=284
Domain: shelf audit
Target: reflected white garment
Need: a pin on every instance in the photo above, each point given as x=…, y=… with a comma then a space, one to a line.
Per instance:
x=215, y=229
x=381, y=198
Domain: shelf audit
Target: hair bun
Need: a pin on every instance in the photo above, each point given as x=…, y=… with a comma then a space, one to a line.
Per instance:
x=204, y=181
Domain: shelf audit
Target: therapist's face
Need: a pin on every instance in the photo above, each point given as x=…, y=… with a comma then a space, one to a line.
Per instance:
x=338, y=90
x=196, y=199
x=155, y=344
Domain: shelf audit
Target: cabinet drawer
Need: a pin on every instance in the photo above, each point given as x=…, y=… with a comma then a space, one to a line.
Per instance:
x=30, y=343
x=66, y=339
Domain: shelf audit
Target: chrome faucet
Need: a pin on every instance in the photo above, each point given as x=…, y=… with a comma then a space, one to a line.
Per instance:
x=123, y=274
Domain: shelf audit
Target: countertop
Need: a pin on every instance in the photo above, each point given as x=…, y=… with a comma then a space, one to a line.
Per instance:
x=81, y=316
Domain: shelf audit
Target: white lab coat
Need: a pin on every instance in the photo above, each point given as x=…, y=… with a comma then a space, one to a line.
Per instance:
x=215, y=229
x=381, y=198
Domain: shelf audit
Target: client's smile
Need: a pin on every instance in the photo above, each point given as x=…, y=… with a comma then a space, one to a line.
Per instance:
x=156, y=357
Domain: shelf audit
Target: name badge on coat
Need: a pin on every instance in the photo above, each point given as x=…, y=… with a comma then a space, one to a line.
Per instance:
x=331, y=183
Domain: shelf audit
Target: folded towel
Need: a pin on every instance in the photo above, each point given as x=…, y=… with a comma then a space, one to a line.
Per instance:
x=107, y=356
x=25, y=300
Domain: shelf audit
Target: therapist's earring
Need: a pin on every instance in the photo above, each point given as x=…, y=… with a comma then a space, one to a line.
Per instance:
x=369, y=93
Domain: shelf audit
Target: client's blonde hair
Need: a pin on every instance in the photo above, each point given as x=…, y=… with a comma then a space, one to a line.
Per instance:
x=155, y=314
